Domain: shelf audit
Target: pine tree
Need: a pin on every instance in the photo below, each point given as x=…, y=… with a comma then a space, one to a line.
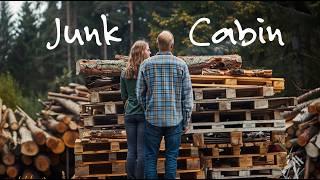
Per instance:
x=6, y=26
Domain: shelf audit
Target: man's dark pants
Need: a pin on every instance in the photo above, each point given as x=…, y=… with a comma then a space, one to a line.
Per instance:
x=152, y=139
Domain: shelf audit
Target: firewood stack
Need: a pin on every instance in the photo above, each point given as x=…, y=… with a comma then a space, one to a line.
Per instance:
x=303, y=140
x=236, y=129
x=36, y=148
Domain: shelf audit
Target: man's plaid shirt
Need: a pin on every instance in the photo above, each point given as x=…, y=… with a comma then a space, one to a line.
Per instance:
x=165, y=91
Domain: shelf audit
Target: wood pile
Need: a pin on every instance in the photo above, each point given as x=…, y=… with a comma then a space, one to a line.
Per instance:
x=236, y=129
x=303, y=140
x=39, y=148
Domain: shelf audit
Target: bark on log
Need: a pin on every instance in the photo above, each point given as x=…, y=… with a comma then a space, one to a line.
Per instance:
x=55, y=108
x=28, y=146
x=304, y=138
x=70, y=105
x=15, y=139
x=306, y=96
x=13, y=123
x=314, y=107
x=42, y=162
x=8, y=158
x=82, y=93
x=69, y=138
x=27, y=160
x=3, y=169
x=296, y=110
x=82, y=88
x=303, y=116
x=66, y=90
x=291, y=142
x=4, y=137
x=238, y=72
x=4, y=118
x=195, y=64
x=53, y=95
x=55, y=125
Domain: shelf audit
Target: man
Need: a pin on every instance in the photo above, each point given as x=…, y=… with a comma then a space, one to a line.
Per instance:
x=165, y=92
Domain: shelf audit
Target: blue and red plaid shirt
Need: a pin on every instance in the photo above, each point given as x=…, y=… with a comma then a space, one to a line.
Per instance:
x=164, y=90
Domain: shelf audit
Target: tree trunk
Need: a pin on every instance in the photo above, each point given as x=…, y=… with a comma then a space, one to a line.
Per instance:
x=8, y=158
x=13, y=123
x=69, y=138
x=296, y=110
x=303, y=116
x=57, y=109
x=56, y=126
x=195, y=64
x=28, y=146
x=42, y=162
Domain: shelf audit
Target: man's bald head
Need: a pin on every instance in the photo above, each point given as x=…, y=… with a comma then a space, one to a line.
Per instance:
x=165, y=41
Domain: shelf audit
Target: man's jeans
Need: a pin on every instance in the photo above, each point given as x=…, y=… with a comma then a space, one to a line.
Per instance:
x=134, y=125
x=152, y=138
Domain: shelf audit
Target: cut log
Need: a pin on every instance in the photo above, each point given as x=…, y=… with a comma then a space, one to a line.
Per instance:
x=13, y=123
x=312, y=150
x=8, y=158
x=57, y=109
x=37, y=132
x=238, y=72
x=27, y=160
x=52, y=95
x=28, y=146
x=82, y=88
x=42, y=162
x=308, y=133
x=66, y=90
x=13, y=171
x=56, y=126
x=308, y=95
x=82, y=93
x=195, y=64
x=303, y=116
x=15, y=139
x=59, y=148
x=314, y=107
x=70, y=105
x=4, y=118
x=3, y=169
x=296, y=110
x=69, y=138
x=30, y=174
x=308, y=123
x=4, y=137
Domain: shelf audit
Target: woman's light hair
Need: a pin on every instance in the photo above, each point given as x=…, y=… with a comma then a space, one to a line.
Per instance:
x=136, y=56
x=165, y=40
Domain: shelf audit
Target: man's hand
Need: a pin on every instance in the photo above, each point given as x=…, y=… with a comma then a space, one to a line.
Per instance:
x=186, y=129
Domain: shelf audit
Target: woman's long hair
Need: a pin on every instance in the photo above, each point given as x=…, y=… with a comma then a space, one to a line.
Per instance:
x=136, y=56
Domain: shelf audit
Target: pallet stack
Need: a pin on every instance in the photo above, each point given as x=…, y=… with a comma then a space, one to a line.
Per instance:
x=237, y=125
x=101, y=150
x=236, y=130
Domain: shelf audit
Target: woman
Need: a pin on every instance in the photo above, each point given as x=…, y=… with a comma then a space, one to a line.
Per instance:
x=134, y=114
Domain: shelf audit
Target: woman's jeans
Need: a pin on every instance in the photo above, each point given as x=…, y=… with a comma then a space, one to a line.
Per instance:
x=153, y=137
x=134, y=125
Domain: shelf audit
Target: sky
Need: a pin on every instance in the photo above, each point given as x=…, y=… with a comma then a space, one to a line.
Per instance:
x=15, y=6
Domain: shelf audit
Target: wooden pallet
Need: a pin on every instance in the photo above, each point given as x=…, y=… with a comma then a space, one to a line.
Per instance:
x=228, y=93
x=235, y=115
x=229, y=139
x=105, y=96
x=119, y=166
x=235, y=173
x=112, y=132
x=181, y=174
x=243, y=103
x=253, y=125
x=276, y=83
x=102, y=108
x=262, y=148
x=103, y=120
x=245, y=160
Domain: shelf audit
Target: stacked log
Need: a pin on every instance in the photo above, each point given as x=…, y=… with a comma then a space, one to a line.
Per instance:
x=303, y=140
x=34, y=148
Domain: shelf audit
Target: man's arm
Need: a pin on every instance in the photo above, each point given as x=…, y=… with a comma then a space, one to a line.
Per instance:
x=141, y=88
x=187, y=97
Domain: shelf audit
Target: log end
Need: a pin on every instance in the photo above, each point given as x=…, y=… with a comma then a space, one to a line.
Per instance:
x=12, y=171
x=29, y=148
x=69, y=138
x=59, y=148
x=42, y=163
